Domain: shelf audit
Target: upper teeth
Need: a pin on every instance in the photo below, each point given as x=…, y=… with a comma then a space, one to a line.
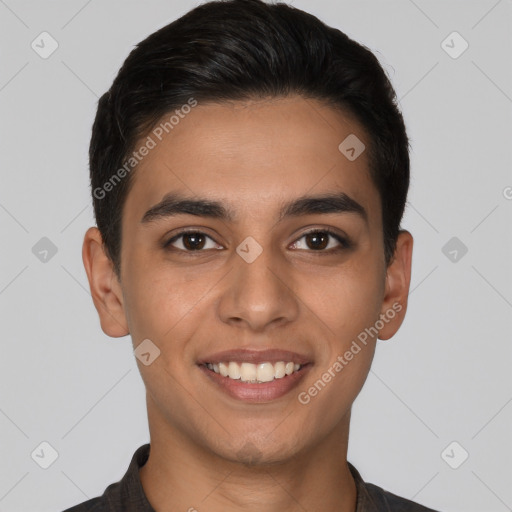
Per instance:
x=249, y=372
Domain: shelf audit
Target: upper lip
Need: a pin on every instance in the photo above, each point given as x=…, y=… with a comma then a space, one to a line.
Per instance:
x=255, y=356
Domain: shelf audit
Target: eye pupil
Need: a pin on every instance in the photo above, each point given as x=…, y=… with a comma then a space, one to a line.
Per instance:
x=319, y=240
x=193, y=241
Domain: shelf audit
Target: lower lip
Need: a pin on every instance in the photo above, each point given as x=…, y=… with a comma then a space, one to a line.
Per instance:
x=253, y=392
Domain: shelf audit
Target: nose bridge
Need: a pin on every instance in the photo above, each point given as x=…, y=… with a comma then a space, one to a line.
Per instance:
x=258, y=293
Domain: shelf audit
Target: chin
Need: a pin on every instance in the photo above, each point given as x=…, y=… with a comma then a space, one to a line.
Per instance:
x=254, y=453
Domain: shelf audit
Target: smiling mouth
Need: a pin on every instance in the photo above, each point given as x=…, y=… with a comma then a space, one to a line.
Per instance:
x=254, y=373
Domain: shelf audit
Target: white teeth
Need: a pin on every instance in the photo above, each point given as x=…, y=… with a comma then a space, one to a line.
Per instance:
x=223, y=369
x=265, y=372
x=249, y=372
x=233, y=370
x=279, y=369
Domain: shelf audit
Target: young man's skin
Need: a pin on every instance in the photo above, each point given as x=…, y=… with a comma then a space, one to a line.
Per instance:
x=210, y=450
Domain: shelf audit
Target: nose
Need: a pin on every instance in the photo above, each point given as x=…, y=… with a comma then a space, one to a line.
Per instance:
x=259, y=295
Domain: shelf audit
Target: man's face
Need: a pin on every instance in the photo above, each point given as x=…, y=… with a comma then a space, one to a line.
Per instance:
x=255, y=284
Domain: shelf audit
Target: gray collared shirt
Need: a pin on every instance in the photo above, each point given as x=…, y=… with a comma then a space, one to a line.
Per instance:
x=127, y=495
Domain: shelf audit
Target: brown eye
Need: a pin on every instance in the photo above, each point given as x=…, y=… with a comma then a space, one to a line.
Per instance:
x=317, y=240
x=190, y=241
x=321, y=239
x=193, y=241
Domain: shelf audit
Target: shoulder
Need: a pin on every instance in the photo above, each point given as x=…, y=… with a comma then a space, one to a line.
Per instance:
x=126, y=495
x=372, y=498
x=92, y=505
x=385, y=500
x=118, y=496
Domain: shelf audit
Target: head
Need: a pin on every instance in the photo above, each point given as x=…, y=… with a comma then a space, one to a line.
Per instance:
x=249, y=126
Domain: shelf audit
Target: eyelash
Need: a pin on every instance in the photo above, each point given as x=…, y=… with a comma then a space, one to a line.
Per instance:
x=344, y=242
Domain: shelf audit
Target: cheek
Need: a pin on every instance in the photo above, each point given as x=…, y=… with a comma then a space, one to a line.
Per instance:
x=348, y=306
x=161, y=304
x=345, y=301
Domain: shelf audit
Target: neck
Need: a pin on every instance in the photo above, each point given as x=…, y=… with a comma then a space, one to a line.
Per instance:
x=181, y=475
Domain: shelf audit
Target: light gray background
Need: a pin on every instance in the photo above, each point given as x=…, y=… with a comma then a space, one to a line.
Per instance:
x=444, y=377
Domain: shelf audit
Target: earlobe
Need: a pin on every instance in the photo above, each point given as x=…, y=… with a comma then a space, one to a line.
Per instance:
x=398, y=279
x=104, y=285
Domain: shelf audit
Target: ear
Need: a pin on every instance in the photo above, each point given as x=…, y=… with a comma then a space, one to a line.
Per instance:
x=105, y=287
x=398, y=279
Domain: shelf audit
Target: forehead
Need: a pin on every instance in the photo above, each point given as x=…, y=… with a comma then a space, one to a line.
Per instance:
x=253, y=155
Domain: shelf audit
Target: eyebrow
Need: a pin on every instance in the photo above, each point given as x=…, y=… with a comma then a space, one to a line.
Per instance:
x=175, y=204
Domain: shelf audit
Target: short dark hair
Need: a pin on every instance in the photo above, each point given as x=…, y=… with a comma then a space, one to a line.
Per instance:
x=229, y=50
